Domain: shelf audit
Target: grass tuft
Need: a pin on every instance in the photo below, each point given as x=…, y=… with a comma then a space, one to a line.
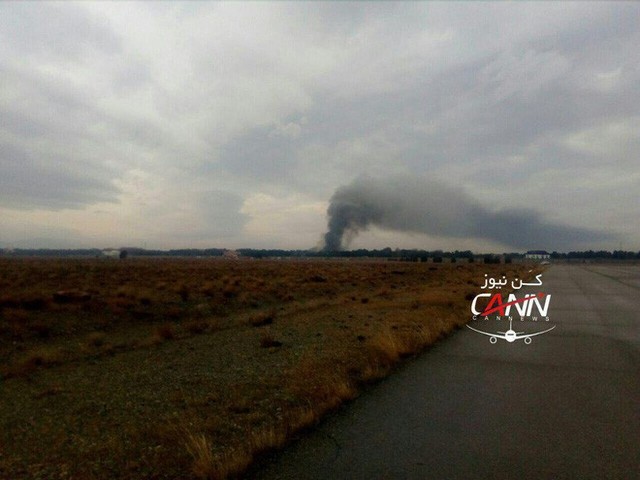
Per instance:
x=267, y=439
x=204, y=464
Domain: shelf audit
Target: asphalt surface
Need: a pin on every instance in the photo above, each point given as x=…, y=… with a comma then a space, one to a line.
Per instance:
x=565, y=406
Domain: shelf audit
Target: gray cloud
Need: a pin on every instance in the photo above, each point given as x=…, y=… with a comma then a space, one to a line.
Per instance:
x=220, y=213
x=264, y=154
x=526, y=107
x=49, y=31
x=409, y=204
x=49, y=181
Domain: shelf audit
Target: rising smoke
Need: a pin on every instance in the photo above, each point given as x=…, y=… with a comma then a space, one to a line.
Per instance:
x=411, y=204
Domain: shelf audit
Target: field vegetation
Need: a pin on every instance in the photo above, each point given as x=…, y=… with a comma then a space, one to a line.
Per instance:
x=191, y=368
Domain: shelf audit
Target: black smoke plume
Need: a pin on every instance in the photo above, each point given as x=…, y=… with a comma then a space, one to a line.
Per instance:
x=413, y=204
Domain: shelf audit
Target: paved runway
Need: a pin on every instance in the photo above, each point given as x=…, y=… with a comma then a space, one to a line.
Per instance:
x=565, y=406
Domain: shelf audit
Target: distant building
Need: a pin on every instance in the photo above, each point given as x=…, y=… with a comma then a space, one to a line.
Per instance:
x=537, y=255
x=111, y=252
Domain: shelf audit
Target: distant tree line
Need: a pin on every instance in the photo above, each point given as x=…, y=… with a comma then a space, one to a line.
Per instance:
x=591, y=254
x=400, y=254
x=410, y=255
x=182, y=252
x=48, y=252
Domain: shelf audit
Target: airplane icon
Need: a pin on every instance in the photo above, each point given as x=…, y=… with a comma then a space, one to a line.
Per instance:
x=511, y=335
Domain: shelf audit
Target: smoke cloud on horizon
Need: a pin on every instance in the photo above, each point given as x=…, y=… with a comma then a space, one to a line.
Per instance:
x=418, y=205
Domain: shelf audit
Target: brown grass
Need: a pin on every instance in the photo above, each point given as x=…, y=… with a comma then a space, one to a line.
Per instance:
x=207, y=465
x=324, y=386
x=231, y=464
x=300, y=419
x=339, y=326
x=204, y=462
x=267, y=439
x=34, y=359
x=385, y=349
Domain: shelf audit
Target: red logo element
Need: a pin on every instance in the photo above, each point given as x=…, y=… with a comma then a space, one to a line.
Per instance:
x=495, y=304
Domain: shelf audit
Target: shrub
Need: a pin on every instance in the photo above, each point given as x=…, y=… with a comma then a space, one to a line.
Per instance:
x=263, y=318
x=41, y=329
x=317, y=279
x=165, y=331
x=229, y=292
x=40, y=357
x=267, y=341
x=96, y=339
x=196, y=326
x=36, y=303
x=183, y=291
x=491, y=259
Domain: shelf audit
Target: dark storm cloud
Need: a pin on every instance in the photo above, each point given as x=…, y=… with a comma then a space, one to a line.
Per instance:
x=409, y=204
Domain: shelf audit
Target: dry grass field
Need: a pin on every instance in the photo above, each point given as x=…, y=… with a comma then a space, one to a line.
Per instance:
x=176, y=368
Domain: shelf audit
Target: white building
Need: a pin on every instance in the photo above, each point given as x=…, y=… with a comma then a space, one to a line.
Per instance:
x=111, y=252
x=537, y=255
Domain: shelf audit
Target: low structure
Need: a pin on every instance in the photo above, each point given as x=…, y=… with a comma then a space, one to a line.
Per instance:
x=537, y=255
x=111, y=252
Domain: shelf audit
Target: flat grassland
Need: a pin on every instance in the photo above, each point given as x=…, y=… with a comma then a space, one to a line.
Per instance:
x=190, y=368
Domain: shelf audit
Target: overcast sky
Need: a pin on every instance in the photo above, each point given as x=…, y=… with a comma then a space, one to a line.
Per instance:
x=232, y=124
